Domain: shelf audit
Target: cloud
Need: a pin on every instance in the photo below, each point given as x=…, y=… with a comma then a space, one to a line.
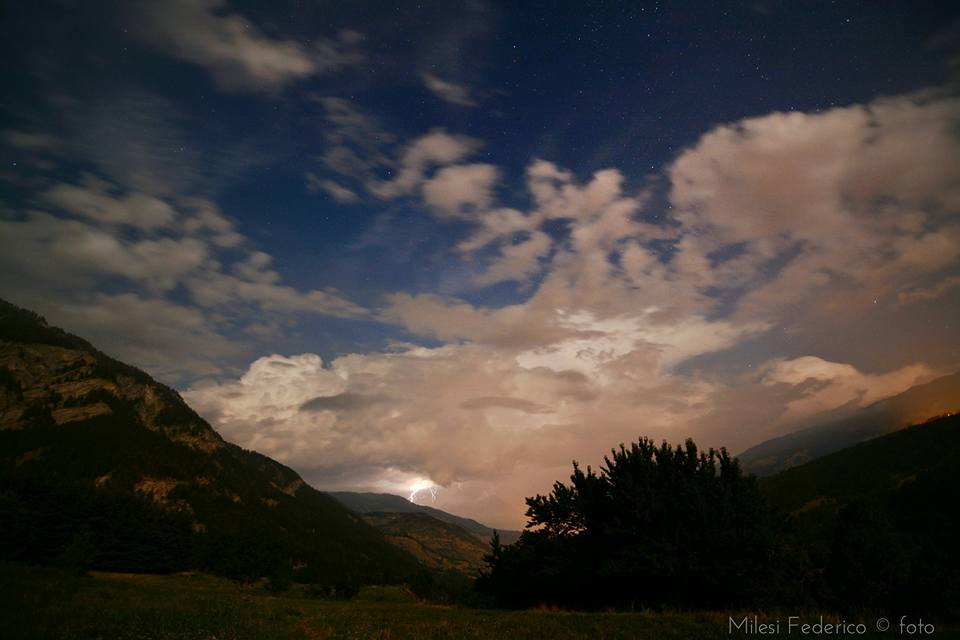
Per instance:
x=211, y=288
x=767, y=214
x=428, y=167
x=722, y=322
x=334, y=423
x=356, y=144
x=77, y=254
x=776, y=228
x=340, y=402
x=238, y=54
x=834, y=208
x=556, y=195
x=929, y=293
x=335, y=190
x=498, y=224
x=163, y=337
x=28, y=140
x=203, y=218
x=452, y=320
x=264, y=408
x=176, y=266
x=450, y=435
x=436, y=148
x=517, y=404
x=830, y=385
x=144, y=142
x=517, y=261
x=448, y=91
x=460, y=190
x=634, y=347
x=93, y=202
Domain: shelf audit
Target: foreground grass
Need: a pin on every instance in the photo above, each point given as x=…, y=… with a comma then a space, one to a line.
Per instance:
x=48, y=603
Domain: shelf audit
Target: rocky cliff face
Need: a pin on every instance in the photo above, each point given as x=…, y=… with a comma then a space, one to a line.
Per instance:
x=42, y=384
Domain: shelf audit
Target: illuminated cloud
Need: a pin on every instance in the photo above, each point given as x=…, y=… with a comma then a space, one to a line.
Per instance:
x=93, y=202
x=237, y=53
x=176, y=265
x=448, y=91
x=336, y=426
x=436, y=148
x=460, y=189
x=517, y=261
x=334, y=189
x=830, y=385
x=767, y=214
x=855, y=203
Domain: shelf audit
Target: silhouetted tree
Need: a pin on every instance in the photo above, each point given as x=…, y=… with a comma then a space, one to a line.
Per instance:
x=658, y=525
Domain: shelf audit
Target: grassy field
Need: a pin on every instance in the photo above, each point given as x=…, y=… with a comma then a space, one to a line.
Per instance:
x=48, y=603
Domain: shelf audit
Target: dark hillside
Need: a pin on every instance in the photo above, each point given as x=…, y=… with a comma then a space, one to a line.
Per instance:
x=363, y=503
x=875, y=468
x=102, y=466
x=879, y=521
x=439, y=545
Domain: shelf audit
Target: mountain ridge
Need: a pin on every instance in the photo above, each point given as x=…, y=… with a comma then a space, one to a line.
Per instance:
x=877, y=522
x=365, y=502
x=442, y=546
x=918, y=403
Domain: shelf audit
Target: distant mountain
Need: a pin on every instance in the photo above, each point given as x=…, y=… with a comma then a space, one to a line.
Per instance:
x=896, y=462
x=436, y=544
x=102, y=466
x=364, y=503
x=938, y=397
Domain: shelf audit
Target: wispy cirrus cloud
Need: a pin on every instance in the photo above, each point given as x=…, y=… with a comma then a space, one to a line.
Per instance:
x=448, y=91
x=178, y=257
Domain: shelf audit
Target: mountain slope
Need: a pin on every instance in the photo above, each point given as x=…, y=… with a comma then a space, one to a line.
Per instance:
x=938, y=397
x=364, y=503
x=102, y=465
x=876, y=524
x=439, y=545
x=918, y=456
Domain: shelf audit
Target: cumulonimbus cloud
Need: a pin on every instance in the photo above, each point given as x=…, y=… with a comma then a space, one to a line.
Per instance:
x=800, y=209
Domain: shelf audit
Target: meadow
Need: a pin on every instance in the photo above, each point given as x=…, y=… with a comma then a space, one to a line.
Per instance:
x=58, y=604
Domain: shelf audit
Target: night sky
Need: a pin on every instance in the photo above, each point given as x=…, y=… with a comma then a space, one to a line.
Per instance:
x=449, y=247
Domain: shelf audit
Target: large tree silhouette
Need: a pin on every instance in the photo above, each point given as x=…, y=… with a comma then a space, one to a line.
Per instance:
x=657, y=526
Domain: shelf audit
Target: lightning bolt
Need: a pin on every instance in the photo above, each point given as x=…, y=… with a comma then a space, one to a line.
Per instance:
x=423, y=485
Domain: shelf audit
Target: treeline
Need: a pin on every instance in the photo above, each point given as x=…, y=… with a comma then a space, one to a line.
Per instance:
x=675, y=527
x=56, y=522
x=44, y=522
x=55, y=511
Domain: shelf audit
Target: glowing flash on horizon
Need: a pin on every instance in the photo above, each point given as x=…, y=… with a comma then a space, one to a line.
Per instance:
x=423, y=485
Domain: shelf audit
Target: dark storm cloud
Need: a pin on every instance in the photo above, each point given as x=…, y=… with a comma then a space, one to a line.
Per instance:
x=341, y=402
